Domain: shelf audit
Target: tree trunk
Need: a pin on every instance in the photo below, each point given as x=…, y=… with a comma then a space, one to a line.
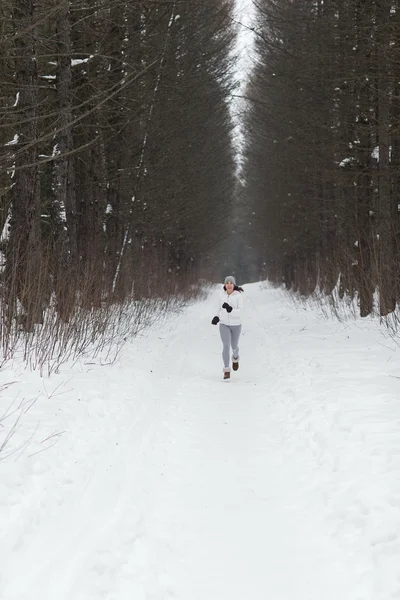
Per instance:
x=24, y=252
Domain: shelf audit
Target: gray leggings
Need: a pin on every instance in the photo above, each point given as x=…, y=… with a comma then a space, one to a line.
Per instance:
x=230, y=337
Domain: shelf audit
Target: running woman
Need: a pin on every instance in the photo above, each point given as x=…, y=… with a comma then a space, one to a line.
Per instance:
x=230, y=323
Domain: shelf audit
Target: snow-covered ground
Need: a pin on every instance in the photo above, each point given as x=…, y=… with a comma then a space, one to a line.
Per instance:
x=155, y=480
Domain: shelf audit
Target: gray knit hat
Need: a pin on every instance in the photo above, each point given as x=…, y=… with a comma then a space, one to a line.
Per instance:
x=230, y=279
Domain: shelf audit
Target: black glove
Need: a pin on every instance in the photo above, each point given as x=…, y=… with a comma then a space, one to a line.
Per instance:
x=227, y=307
x=215, y=321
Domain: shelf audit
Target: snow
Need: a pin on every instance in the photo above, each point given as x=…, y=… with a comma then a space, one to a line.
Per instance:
x=79, y=61
x=14, y=141
x=5, y=233
x=154, y=479
x=348, y=161
x=376, y=153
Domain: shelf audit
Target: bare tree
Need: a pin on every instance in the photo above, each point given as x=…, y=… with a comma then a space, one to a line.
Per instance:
x=117, y=164
x=321, y=157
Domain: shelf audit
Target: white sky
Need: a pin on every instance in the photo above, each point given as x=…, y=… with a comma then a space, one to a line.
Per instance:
x=244, y=15
x=243, y=50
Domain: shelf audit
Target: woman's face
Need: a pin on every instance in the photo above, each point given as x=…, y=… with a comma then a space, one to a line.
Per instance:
x=229, y=287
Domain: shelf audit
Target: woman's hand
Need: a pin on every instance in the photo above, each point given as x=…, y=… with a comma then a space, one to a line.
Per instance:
x=215, y=321
x=227, y=307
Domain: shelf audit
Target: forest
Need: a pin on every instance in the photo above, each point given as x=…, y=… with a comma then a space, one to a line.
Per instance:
x=122, y=181
x=322, y=158
x=117, y=167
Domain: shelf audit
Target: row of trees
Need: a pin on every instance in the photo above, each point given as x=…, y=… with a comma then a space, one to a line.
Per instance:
x=322, y=159
x=116, y=161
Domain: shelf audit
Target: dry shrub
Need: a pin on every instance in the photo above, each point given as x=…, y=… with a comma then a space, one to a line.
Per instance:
x=75, y=313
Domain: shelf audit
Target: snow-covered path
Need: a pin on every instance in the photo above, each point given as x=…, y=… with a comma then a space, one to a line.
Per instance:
x=168, y=483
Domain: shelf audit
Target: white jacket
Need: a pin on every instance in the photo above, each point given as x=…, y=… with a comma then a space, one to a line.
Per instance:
x=236, y=301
